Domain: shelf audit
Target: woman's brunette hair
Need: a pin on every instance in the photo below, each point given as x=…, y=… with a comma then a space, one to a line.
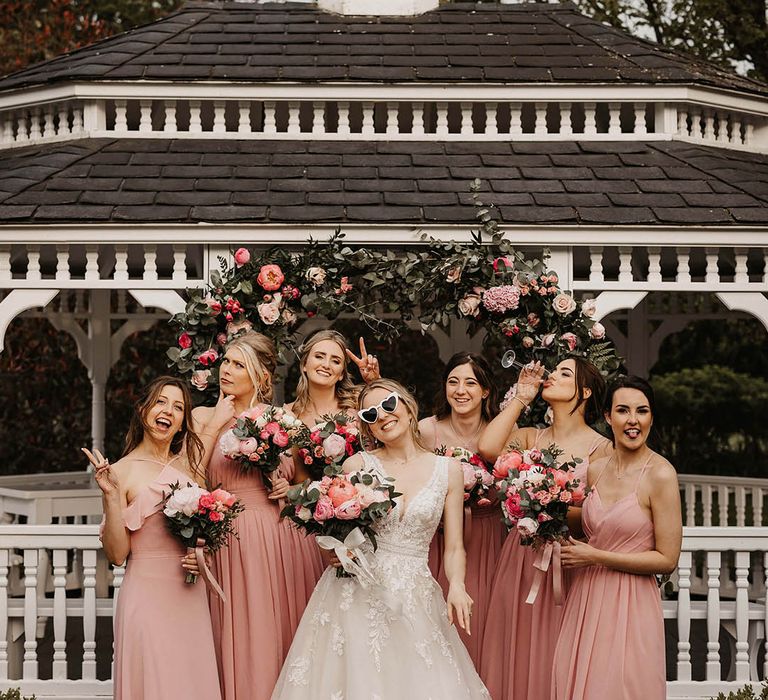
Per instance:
x=588, y=377
x=484, y=376
x=185, y=439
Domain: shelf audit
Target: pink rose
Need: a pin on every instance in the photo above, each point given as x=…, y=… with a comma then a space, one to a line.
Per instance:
x=237, y=326
x=270, y=277
x=242, y=256
x=543, y=497
x=565, y=497
x=547, y=340
x=578, y=494
x=512, y=505
x=215, y=516
x=224, y=497
x=323, y=509
x=560, y=477
x=588, y=307
x=527, y=527
x=325, y=483
x=268, y=313
x=200, y=379
x=486, y=478
x=544, y=517
x=469, y=305
x=570, y=340
x=534, y=456
x=208, y=357
x=563, y=304
x=470, y=479
x=213, y=305
x=185, y=341
x=281, y=438
x=349, y=510
x=597, y=331
x=528, y=342
x=334, y=446
x=221, y=339
x=341, y=491
x=454, y=274
x=248, y=446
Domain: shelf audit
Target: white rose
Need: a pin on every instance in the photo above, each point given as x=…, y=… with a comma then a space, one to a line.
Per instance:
x=334, y=446
x=316, y=275
x=564, y=304
x=588, y=307
x=184, y=500
x=597, y=331
x=229, y=444
x=269, y=312
x=200, y=379
x=527, y=527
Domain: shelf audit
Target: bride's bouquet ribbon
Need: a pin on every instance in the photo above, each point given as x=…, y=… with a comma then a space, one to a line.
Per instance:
x=353, y=561
x=205, y=572
x=548, y=555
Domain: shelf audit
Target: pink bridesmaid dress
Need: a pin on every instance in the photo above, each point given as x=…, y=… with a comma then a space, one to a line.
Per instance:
x=163, y=638
x=611, y=642
x=483, y=539
x=263, y=573
x=519, y=638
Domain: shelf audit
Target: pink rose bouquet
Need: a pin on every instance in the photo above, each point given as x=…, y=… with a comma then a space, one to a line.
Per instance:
x=341, y=509
x=200, y=518
x=259, y=438
x=328, y=444
x=478, y=480
x=536, y=493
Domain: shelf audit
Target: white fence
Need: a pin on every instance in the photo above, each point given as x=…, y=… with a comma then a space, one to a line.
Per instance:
x=723, y=500
x=59, y=644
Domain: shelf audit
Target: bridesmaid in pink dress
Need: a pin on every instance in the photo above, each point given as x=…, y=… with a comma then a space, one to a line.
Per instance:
x=163, y=637
x=465, y=405
x=519, y=640
x=267, y=574
x=611, y=642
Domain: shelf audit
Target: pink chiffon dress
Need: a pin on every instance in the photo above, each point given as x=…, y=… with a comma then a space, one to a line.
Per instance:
x=483, y=539
x=267, y=581
x=519, y=638
x=163, y=638
x=611, y=642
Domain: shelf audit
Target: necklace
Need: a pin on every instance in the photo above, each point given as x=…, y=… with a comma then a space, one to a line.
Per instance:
x=461, y=437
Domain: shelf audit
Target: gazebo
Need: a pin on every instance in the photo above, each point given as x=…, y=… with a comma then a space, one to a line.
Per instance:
x=128, y=166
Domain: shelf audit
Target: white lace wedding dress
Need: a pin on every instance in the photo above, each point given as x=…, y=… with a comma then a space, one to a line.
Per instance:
x=350, y=645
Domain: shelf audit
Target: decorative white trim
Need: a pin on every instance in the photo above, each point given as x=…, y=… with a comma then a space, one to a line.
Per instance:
x=608, y=302
x=753, y=303
x=390, y=8
x=165, y=299
x=19, y=300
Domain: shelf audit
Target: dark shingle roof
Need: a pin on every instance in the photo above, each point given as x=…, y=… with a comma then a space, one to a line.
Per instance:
x=462, y=42
x=181, y=180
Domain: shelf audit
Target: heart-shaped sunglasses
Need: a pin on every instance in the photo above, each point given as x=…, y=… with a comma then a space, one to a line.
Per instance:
x=388, y=405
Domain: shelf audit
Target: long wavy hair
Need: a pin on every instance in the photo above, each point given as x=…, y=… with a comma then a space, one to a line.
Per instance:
x=260, y=362
x=588, y=377
x=483, y=374
x=186, y=439
x=345, y=391
x=406, y=398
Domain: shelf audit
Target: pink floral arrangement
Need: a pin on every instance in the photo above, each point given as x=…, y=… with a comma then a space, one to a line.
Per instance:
x=337, y=505
x=478, y=480
x=536, y=493
x=259, y=438
x=328, y=444
x=196, y=515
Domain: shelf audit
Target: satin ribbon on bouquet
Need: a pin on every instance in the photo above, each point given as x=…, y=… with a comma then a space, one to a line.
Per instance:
x=548, y=555
x=353, y=561
x=205, y=572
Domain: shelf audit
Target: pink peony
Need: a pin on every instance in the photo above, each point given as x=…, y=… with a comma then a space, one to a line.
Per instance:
x=570, y=339
x=349, y=510
x=334, y=446
x=229, y=444
x=215, y=516
x=470, y=478
x=281, y=438
x=269, y=313
x=505, y=297
x=366, y=495
x=185, y=341
x=224, y=497
x=270, y=277
x=340, y=491
x=512, y=505
x=527, y=527
x=248, y=446
x=242, y=256
x=200, y=378
x=323, y=509
x=509, y=460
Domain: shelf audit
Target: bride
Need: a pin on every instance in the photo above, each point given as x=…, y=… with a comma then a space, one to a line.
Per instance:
x=392, y=640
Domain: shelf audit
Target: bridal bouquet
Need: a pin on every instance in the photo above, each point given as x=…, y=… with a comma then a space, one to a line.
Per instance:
x=259, y=438
x=478, y=480
x=195, y=515
x=341, y=510
x=536, y=492
x=328, y=443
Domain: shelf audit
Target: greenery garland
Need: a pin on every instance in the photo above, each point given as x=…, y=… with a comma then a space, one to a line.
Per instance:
x=485, y=281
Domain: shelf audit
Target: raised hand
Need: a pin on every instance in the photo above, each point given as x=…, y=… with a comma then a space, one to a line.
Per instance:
x=529, y=382
x=367, y=364
x=105, y=477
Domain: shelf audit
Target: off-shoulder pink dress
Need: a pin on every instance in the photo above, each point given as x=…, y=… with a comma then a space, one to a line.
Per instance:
x=611, y=642
x=163, y=637
x=267, y=576
x=483, y=538
x=519, y=639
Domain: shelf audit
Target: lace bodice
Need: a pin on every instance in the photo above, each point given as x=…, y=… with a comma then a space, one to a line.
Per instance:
x=411, y=531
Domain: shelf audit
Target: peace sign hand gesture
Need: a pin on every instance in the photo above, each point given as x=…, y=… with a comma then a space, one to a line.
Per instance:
x=105, y=477
x=367, y=364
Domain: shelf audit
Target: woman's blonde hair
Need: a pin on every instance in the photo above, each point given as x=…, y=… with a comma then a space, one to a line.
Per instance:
x=345, y=390
x=260, y=362
x=406, y=398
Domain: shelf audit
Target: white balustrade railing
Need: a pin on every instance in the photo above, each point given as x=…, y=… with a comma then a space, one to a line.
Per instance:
x=716, y=634
x=723, y=500
x=367, y=119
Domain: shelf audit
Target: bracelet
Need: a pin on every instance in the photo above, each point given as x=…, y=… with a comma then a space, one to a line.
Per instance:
x=522, y=403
